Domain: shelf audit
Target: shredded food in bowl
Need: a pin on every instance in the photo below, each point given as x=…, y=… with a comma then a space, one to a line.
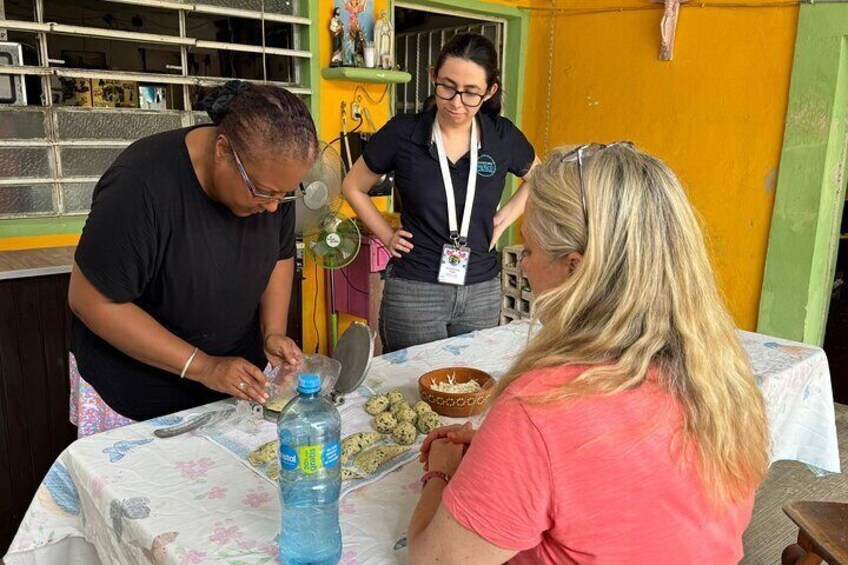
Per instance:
x=450, y=386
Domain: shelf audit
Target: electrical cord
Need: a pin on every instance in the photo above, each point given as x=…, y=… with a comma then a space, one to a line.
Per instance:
x=339, y=138
x=315, y=313
x=359, y=88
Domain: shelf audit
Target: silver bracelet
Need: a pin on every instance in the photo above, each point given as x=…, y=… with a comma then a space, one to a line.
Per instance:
x=187, y=363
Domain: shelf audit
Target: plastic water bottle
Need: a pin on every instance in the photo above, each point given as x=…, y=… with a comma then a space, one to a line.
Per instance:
x=310, y=477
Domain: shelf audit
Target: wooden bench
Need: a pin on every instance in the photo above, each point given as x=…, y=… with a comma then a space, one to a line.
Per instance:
x=822, y=533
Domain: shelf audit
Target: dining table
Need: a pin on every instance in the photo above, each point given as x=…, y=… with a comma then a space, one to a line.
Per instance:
x=127, y=496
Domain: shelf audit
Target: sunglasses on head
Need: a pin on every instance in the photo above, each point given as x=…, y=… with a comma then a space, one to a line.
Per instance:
x=580, y=154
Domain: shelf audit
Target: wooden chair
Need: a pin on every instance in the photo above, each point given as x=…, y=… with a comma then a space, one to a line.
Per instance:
x=822, y=533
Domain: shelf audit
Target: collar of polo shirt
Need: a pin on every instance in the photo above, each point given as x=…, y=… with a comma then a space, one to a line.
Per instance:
x=423, y=132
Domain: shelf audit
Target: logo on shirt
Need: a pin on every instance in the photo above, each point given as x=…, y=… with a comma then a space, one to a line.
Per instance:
x=486, y=166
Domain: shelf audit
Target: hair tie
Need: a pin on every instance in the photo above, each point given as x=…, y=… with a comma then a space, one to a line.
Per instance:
x=217, y=103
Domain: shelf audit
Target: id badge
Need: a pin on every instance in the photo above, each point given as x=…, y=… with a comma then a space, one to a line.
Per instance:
x=454, y=264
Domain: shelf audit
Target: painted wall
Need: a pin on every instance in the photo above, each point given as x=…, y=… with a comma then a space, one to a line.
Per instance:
x=715, y=113
x=332, y=94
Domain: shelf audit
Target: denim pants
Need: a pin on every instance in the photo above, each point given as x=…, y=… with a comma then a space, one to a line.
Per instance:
x=415, y=312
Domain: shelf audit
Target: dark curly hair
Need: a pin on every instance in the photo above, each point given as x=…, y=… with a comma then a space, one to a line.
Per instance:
x=259, y=118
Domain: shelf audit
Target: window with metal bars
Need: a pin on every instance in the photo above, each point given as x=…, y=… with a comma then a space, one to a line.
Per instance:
x=99, y=74
x=417, y=51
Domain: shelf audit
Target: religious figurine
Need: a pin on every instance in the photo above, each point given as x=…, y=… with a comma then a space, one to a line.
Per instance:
x=384, y=41
x=668, y=28
x=337, y=31
x=357, y=34
x=347, y=50
x=354, y=8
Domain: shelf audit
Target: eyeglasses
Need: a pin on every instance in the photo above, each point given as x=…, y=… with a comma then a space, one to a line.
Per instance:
x=580, y=155
x=261, y=195
x=470, y=99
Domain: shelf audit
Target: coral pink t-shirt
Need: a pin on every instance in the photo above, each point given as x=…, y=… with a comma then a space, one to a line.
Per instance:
x=593, y=480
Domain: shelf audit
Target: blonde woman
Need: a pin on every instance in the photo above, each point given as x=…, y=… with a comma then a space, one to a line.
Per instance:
x=630, y=430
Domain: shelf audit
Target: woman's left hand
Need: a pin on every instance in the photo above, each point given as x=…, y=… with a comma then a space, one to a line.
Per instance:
x=280, y=350
x=444, y=456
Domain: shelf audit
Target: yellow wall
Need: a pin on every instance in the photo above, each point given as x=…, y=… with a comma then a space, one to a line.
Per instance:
x=332, y=94
x=715, y=113
x=38, y=241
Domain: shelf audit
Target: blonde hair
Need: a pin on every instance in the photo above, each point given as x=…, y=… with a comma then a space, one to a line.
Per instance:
x=644, y=294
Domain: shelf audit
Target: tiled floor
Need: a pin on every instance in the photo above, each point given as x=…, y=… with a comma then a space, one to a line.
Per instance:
x=770, y=530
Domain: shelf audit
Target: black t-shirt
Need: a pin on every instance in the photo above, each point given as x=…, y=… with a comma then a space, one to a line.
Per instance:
x=154, y=238
x=405, y=145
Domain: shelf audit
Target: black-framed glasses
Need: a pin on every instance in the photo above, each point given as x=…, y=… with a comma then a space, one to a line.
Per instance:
x=447, y=92
x=259, y=194
x=580, y=154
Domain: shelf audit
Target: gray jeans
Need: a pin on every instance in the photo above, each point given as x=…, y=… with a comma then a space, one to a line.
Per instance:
x=415, y=312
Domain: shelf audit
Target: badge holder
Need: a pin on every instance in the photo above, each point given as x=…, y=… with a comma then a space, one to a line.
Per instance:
x=454, y=263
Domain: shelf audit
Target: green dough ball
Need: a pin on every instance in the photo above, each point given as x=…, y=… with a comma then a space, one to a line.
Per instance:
x=385, y=423
x=421, y=407
x=427, y=422
x=405, y=434
x=395, y=396
x=398, y=406
x=376, y=404
x=406, y=415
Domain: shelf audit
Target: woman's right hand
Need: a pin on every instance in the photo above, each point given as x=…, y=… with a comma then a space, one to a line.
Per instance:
x=455, y=433
x=232, y=375
x=398, y=243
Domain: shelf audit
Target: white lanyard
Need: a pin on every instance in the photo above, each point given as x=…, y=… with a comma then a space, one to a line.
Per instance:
x=459, y=237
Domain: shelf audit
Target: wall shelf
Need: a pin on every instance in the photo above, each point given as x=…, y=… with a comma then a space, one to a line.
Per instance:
x=376, y=76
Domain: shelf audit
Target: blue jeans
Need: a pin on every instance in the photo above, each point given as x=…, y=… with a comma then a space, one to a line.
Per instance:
x=415, y=312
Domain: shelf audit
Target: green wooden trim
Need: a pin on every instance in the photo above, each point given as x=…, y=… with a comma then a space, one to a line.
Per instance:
x=27, y=227
x=514, y=65
x=373, y=76
x=314, y=62
x=811, y=185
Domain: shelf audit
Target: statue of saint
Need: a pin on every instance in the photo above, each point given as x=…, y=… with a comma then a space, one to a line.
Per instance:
x=337, y=31
x=384, y=41
x=357, y=34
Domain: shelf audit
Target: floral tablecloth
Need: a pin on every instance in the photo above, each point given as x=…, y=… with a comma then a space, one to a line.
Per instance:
x=125, y=496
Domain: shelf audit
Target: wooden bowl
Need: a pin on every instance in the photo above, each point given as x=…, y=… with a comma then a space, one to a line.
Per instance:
x=462, y=405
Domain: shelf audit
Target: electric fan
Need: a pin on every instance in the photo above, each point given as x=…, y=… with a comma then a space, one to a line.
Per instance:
x=330, y=237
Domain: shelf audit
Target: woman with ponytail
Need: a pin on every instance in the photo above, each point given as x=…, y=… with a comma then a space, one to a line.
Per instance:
x=182, y=278
x=630, y=429
x=443, y=276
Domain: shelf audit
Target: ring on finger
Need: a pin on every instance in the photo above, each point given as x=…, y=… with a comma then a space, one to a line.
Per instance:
x=241, y=386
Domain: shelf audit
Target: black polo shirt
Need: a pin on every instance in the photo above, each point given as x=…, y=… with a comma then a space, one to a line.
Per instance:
x=405, y=145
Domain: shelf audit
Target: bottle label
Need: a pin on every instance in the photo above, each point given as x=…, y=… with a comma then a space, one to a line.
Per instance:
x=288, y=457
x=331, y=455
x=310, y=458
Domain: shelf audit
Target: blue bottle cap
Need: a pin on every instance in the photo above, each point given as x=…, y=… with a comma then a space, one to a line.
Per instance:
x=308, y=383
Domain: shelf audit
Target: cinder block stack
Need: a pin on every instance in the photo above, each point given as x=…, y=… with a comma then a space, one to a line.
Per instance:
x=516, y=299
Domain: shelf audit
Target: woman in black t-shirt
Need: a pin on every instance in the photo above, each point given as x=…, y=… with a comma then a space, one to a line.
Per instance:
x=182, y=277
x=443, y=276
